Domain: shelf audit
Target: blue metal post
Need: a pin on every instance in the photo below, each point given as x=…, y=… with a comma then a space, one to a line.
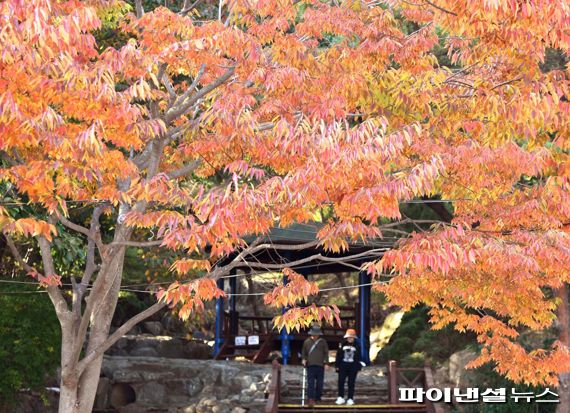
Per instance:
x=364, y=300
x=233, y=290
x=285, y=344
x=233, y=302
x=219, y=319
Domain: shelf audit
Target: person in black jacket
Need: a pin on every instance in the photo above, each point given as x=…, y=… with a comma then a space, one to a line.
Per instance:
x=315, y=355
x=348, y=363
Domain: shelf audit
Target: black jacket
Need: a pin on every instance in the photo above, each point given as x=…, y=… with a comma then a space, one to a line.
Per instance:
x=348, y=355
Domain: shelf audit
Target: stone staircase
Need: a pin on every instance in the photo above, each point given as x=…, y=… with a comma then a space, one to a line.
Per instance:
x=371, y=393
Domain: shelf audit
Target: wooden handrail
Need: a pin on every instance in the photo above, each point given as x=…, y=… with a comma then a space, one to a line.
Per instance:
x=395, y=372
x=272, y=405
x=393, y=382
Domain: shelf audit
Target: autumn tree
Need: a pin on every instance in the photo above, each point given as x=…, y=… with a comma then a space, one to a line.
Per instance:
x=212, y=131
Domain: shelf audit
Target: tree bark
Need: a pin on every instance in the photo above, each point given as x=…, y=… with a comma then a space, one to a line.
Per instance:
x=563, y=312
x=68, y=383
x=100, y=325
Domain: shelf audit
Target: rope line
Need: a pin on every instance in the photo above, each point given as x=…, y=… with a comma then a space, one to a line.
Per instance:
x=228, y=295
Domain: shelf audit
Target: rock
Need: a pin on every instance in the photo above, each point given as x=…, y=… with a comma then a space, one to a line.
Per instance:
x=153, y=393
x=197, y=386
x=208, y=402
x=153, y=327
x=244, y=398
x=171, y=348
x=208, y=390
x=458, y=375
x=239, y=410
x=122, y=343
x=197, y=349
x=453, y=372
x=245, y=381
x=248, y=392
x=221, y=408
x=144, y=352
x=194, y=386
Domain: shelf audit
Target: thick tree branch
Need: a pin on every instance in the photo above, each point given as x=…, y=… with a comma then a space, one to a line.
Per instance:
x=139, y=8
x=120, y=332
x=185, y=170
x=182, y=109
x=90, y=266
x=187, y=7
x=377, y=252
x=441, y=8
x=441, y=211
x=8, y=159
x=61, y=307
x=140, y=244
x=82, y=230
x=16, y=254
x=192, y=87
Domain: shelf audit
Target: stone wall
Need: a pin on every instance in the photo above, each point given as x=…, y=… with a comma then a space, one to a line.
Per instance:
x=150, y=384
x=160, y=346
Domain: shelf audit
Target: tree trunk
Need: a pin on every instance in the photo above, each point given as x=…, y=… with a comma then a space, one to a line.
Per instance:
x=68, y=383
x=78, y=391
x=563, y=311
x=99, y=332
x=67, y=399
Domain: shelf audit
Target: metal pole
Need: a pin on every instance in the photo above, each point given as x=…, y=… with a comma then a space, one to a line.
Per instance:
x=285, y=345
x=233, y=301
x=219, y=319
x=364, y=303
x=304, y=385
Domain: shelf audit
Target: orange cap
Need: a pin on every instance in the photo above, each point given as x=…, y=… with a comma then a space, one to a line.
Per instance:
x=351, y=332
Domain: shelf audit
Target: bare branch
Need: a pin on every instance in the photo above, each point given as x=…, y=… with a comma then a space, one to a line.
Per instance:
x=377, y=252
x=139, y=8
x=169, y=87
x=8, y=159
x=441, y=8
x=516, y=79
x=120, y=332
x=220, y=4
x=191, y=88
x=73, y=226
x=82, y=230
x=175, y=113
x=185, y=170
x=90, y=266
x=141, y=244
x=17, y=255
x=61, y=308
x=187, y=8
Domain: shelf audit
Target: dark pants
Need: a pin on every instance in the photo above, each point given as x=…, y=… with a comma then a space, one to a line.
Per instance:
x=315, y=379
x=347, y=371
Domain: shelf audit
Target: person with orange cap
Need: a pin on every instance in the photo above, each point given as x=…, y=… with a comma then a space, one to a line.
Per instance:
x=348, y=364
